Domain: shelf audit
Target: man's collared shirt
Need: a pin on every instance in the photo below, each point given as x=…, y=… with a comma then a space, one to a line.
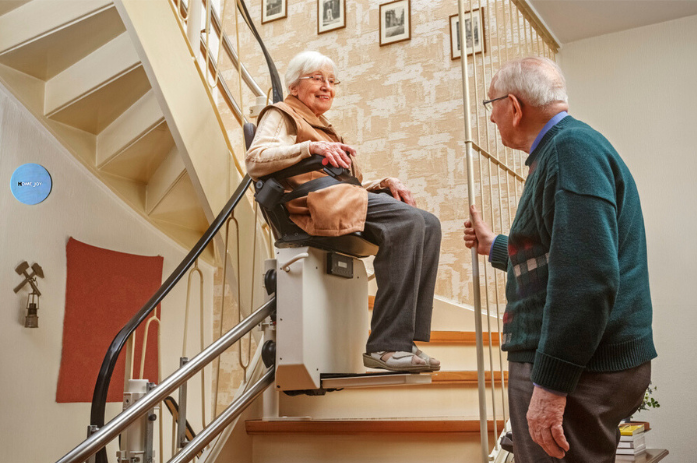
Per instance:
x=550, y=123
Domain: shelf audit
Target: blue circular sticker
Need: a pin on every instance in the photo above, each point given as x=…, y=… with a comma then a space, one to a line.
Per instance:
x=31, y=184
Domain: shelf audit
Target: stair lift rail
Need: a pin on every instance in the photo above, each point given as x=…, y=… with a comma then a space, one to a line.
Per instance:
x=99, y=396
x=112, y=429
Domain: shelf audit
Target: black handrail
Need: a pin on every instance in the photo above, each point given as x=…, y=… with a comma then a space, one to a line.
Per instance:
x=275, y=78
x=104, y=378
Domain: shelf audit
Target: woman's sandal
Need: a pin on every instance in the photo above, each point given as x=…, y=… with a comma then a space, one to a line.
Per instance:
x=399, y=361
x=434, y=364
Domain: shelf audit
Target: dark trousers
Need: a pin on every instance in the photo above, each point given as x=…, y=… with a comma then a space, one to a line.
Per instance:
x=593, y=411
x=405, y=270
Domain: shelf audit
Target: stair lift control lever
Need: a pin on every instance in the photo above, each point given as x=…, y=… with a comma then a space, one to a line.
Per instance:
x=286, y=266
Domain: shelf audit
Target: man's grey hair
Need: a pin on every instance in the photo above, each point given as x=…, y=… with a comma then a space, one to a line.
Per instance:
x=305, y=63
x=538, y=81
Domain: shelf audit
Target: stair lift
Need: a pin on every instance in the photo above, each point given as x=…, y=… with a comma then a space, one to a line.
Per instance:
x=321, y=287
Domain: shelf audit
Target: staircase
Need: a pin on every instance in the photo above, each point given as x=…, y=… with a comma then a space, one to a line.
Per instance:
x=88, y=78
x=427, y=422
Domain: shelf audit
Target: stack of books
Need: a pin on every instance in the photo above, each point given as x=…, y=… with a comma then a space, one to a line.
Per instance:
x=632, y=441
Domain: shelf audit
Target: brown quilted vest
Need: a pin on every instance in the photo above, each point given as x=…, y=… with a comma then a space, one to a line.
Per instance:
x=332, y=211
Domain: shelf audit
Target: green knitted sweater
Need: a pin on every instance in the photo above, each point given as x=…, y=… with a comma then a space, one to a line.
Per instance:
x=578, y=283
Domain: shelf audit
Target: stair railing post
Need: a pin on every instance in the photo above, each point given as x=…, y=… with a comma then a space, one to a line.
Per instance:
x=475, y=258
x=193, y=26
x=149, y=456
x=181, y=418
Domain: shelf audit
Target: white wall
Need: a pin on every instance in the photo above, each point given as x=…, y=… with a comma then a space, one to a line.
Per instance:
x=33, y=427
x=638, y=88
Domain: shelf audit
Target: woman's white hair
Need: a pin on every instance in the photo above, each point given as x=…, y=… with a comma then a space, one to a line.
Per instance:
x=305, y=63
x=538, y=81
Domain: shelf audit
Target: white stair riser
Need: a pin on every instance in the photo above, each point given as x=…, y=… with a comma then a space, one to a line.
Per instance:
x=381, y=448
x=453, y=401
x=455, y=357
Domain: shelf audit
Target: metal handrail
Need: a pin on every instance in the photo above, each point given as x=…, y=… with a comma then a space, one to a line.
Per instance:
x=101, y=388
x=112, y=429
x=228, y=416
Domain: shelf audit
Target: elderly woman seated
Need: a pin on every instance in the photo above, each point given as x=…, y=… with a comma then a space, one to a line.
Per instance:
x=409, y=238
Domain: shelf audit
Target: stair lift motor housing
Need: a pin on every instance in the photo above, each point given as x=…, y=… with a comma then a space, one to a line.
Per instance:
x=322, y=317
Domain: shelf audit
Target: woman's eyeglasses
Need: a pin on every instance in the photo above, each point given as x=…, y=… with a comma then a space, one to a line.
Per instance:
x=320, y=79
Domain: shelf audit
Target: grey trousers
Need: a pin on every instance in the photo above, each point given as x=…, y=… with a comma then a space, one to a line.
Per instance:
x=405, y=271
x=593, y=411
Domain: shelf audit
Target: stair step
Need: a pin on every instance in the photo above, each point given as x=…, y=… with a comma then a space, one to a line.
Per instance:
x=51, y=53
x=168, y=173
x=135, y=123
x=180, y=207
x=38, y=18
x=464, y=378
x=369, y=426
x=93, y=92
x=466, y=338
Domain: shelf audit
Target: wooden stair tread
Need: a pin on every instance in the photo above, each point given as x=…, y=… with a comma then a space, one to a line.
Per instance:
x=368, y=426
x=468, y=377
x=467, y=338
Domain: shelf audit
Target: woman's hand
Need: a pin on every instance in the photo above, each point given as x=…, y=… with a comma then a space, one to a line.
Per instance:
x=337, y=154
x=398, y=190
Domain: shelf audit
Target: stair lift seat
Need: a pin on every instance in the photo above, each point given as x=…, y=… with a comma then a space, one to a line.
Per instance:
x=321, y=288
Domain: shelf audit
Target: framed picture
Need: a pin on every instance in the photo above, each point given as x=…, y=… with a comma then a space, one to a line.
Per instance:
x=331, y=15
x=476, y=42
x=395, y=22
x=272, y=10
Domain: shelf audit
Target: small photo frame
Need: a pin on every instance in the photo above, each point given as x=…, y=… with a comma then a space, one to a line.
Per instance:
x=331, y=15
x=479, y=45
x=271, y=10
x=395, y=22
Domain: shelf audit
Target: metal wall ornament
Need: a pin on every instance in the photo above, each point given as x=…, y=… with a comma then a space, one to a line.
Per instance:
x=479, y=45
x=31, y=319
x=271, y=10
x=395, y=22
x=331, y=15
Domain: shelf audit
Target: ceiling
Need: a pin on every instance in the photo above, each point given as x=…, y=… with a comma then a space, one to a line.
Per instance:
x=571, y=20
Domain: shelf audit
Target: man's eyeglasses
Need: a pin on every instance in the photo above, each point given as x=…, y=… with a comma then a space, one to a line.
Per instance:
x=320, y=79
x=488, y=103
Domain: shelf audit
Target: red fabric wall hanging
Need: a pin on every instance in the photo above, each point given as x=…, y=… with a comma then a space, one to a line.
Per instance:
x=104, y=289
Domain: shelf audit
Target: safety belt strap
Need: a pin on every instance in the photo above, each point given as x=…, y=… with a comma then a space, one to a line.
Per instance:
x=317, y=184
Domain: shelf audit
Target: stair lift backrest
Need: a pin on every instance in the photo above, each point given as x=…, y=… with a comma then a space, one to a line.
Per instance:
x=321, y=291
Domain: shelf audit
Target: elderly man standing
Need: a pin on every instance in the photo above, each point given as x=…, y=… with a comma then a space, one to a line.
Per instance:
x=577, y=326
